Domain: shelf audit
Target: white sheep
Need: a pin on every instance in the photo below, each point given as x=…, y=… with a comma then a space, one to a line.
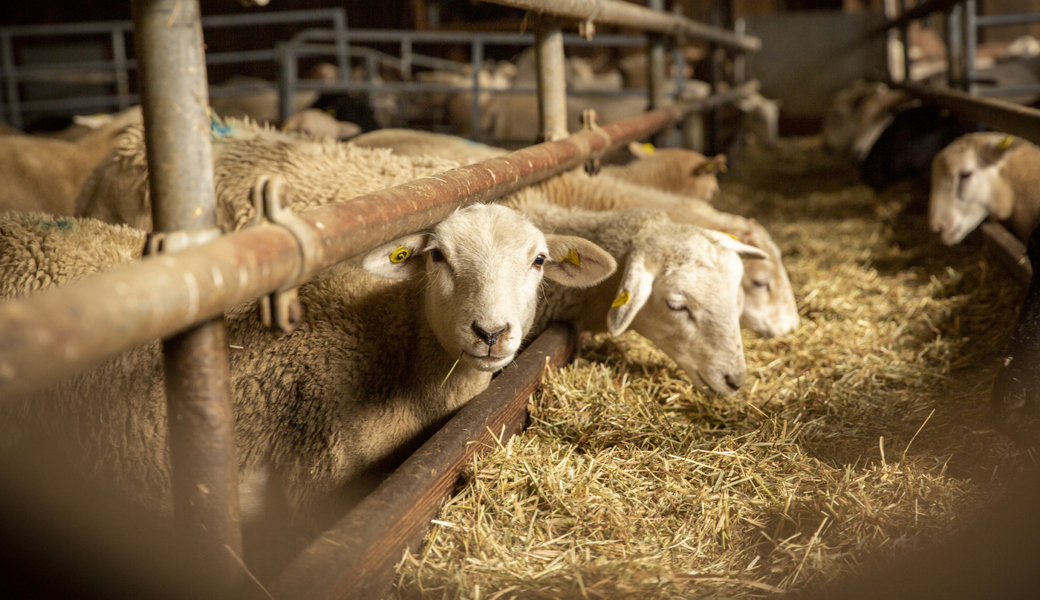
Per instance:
x=388, y=347
x=769, y=305
x=320, y=125
x=676, y=170
x=318, y=172
x=677, y=285
x=46, y=174
x=858, y=115
x=981, y=175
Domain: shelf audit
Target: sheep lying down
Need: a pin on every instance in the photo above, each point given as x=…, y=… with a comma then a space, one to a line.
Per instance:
x=389, y=346
x=981, y=175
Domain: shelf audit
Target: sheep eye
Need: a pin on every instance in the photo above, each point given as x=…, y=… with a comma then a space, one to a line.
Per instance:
x=676, y=306
x=760, y=284
x=436, y=255
x=964, y=175
x=539, y=260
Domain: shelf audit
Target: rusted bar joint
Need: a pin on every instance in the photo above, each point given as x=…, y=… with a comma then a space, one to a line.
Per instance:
x=281, y=308
x=626, y=14
x=57, y=333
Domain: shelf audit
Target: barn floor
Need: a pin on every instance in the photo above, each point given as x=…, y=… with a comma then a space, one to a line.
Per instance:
x=862, y=434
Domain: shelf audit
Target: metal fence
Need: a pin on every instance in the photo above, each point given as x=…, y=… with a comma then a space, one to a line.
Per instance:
x=181, y=295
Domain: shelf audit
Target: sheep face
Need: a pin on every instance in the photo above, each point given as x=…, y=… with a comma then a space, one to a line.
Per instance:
x=769, y=305
x=685, y=297
x=483, y=267
x=967, y=185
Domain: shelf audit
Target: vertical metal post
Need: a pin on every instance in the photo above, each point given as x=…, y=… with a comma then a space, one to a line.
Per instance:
x=406, y=59
x=971, y=45
x=174, y=97
x=552, y=78
x=120, y=68
x=739, y=56
x=656, y=74
x=339, y=26
x=955, y=46
x=287, y=78
x=904, y=36
x=474, y=107
x=14, y=104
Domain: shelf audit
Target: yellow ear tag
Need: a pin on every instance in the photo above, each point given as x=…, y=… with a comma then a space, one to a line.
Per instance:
x=649, y=148
x=400, y=254
x=572, y=257
x=1006, y=142
x=723, y=168
x=621, y=300
x=732, y=236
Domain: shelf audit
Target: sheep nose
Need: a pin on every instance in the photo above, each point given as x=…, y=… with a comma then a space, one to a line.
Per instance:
x=734, y=383
x=488, y=337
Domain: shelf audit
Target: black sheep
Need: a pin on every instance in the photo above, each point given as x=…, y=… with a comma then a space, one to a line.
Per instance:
x=1016, y=390
x=907, y=146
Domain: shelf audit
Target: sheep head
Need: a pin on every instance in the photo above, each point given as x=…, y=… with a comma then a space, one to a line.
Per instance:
x=967, y=185
x=681, y=290
x=483, y=267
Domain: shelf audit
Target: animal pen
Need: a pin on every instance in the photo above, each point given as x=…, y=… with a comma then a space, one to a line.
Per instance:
x=180, y=294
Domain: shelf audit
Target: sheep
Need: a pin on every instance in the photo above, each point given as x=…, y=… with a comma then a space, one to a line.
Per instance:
x=1016, y=388
x=769, y=307
x=761, y=118
x=43, y=174
x=909, y=144
x=983, y=174
x=319, y=173
x=320, y=125
x=390, y=344
x=858, y=115
x=677, y=285
x=675, y=170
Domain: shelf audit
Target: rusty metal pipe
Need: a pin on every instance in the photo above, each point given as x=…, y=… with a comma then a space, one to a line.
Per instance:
x=999, y=114
x=656, y=72
x=552, y=81
x=204, y=473
x=57, y=333
x=625, y=14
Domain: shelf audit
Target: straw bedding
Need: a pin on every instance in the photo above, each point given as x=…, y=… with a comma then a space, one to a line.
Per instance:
x=863, y=433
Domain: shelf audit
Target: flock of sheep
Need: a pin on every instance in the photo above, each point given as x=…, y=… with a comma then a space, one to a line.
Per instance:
x=973, y=176
x=392, y=342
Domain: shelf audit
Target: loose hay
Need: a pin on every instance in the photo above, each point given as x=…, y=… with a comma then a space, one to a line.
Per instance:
x=862, y=433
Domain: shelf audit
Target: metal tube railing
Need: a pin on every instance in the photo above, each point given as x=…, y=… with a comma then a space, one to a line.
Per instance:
x=552, y=84
x=999, y=114
x=625, y=14
x=86, y=321
x=656, y=71
x=200, y=418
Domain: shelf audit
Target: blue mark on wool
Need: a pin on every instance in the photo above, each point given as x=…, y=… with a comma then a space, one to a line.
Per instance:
x=61, y=224
x=219, y=128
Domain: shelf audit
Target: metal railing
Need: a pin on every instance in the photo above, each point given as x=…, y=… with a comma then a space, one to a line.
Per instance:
x=119, y=69
x=183, y=294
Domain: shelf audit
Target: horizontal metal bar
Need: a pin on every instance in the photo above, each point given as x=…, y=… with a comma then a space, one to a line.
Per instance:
x=463, y=37
x=86, y=103
x=999, y=20
x=1021, y=90
x=52, y=335
x=1010, y=251
x=917, y=12
x=355, y=559
x=243, y=20
x=418, y=86
x=1003, y=116
x=625, y=14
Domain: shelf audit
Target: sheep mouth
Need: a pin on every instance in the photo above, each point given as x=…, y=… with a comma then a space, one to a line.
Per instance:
x=488, y=362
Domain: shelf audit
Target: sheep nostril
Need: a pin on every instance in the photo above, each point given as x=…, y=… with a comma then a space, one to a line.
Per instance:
x=732, y=383
x=488, y=337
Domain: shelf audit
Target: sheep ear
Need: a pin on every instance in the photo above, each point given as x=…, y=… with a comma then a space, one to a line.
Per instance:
x=715, y=164
x=994, y=153
x=636, y=285
x=399, y=259
x=577, y=262
x=731, y=243
x=640, y=150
